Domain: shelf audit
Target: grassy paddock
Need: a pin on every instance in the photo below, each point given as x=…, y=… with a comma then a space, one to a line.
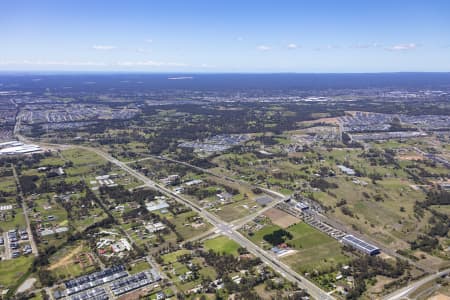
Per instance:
x=13, y=269
x=222, y=244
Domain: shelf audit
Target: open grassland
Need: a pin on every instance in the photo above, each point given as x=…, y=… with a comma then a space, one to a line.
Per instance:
x=186, y=226
x=13, y=219
x=52, y=161
x=127, y=152
x=139, y=266
x=172, y=257
x=313, y=249
x=384, y=209
x=46, y=206
x=378, y=201
x=258, y=236
x=236, y=210
x=7, y=184
x=222, y=244
x=11, y=270
x=82, y=157
x=72, y=261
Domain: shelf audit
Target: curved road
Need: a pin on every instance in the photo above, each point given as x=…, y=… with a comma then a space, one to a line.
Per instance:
x=406, y=291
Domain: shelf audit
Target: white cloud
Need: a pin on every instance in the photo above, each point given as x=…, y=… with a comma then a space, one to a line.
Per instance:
x=103, y=47
x=292, y=46
x=148, y=41
x=263, y=48
x=366, y=45
x=150, y=63
x=239, y=38
x=103, y=65
x=52, y=63
x=207, y=66
x=402, y=47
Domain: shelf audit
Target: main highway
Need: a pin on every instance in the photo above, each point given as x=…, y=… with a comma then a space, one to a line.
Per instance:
x=222, y=226
x=406, y=291
x=229, y=229
x=226, y=228
x=280, y=198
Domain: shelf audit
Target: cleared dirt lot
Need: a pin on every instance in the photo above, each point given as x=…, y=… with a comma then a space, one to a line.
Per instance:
x=410, y=157
x=280, y=218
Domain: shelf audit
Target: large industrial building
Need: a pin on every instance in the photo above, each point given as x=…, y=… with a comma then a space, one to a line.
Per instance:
x=360, y=245
x=15, y=147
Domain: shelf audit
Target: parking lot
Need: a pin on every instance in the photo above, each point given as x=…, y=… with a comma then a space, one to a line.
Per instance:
x=15, y=243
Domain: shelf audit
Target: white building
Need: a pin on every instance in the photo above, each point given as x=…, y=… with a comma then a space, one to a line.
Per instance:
x=155, y=227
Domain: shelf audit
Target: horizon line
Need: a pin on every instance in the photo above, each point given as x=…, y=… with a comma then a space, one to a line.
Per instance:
x=109, y=72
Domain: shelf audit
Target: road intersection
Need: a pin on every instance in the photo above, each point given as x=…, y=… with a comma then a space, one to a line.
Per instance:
x=226, y=229
x=230, y=229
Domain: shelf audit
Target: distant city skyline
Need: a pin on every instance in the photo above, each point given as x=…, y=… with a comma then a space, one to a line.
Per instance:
x=321, y=36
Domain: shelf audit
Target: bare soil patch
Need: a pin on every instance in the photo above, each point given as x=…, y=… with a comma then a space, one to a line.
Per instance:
x=410, y=157
x=66, y=259
x=280, y=218
x=439, y=297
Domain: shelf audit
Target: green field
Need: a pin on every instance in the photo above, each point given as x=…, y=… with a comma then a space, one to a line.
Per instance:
x=11, y=270
x=139, y=266
x=184, y=227
x=222, y=244
x=71, y=270
x=172, y=257
x=14, y=219
x=82, y=157
x=258, y=239
x=7, y=184
x=390, y=219
x=314, y=249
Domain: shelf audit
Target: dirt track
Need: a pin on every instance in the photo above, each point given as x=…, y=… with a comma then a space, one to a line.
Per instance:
x=66, y=259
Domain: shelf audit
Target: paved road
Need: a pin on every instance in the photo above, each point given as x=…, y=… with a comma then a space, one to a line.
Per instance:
x=7, y=249
x=404, y=292
x=156, y=266
x=240, y=222
x=280, y=198
x=232, y=233
x=272, y=193
x=25, y=212
x=227, y=229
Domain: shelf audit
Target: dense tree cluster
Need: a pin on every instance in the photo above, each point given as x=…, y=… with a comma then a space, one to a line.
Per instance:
x=225, y=264
x=323, y=184
x=439, y=222
x=366, y=267
x=278, y=237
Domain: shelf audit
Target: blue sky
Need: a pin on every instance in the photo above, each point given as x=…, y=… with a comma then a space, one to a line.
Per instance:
x=225, y=35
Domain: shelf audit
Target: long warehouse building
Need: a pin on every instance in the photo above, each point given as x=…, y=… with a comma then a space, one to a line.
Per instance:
x=360, y=245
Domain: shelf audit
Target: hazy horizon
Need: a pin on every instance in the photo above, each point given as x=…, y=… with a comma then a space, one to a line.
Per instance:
x=226, y=37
